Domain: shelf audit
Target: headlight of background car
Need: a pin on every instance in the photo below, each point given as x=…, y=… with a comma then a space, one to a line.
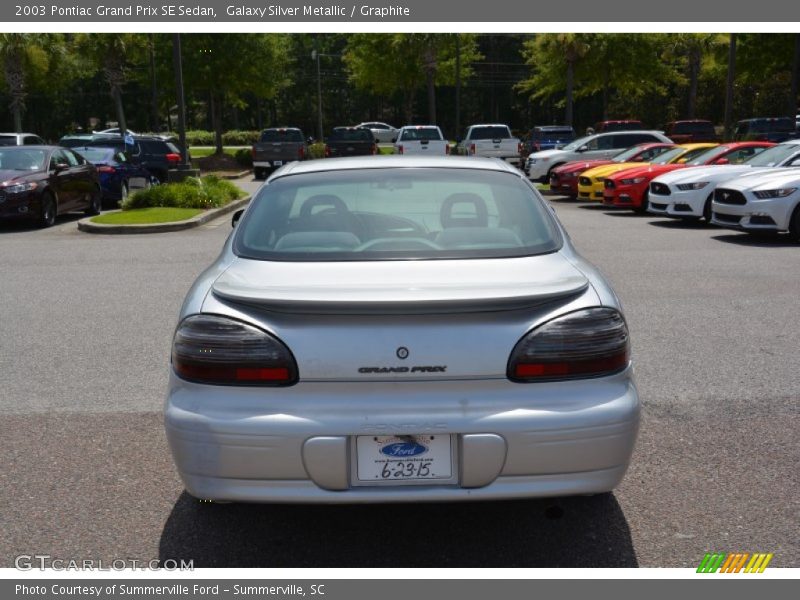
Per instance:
x=632, y=181
x=779, y=193
x=698, y=185
x=18, y=188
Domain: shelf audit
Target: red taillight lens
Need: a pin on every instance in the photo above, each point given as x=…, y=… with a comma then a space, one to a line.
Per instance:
x=222, y=351
x=253, y=151
x=519, y=148
x=587, y=343
x=374, y=148
x=173, y=158
x=301, y=153
x=327, y=150
x=106, y=169
x=447, y=148
x=400, y=149
x=472, y=148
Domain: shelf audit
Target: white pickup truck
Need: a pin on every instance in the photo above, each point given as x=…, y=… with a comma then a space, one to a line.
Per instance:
x=421, y=140
x=493, y=141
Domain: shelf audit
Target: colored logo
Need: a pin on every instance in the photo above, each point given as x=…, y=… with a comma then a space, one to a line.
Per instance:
x=734, y=563
x=403, y=449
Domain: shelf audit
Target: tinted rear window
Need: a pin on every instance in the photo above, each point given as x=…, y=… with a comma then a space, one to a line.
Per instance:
x=96, y=154
x=489, y=133
x=281, y=135
x=565, y=133
x=8, y=140
x=767, y=126
x=352, y=135
x=427, y=133
x=693, y=128
x=396, y=214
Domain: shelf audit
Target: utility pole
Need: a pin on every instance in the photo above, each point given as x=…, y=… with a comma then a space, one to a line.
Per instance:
x=178, y=66
x=315, y=55
x=458, y=85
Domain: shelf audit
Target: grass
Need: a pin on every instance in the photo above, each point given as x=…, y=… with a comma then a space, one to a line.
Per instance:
x=543, y=187
x=385, y=150
x=203, y=151
x=145, y=216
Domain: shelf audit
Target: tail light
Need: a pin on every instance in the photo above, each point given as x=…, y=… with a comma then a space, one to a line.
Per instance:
x=106, y=169
x=253, y=151
x=374, y=148
x=400, y=149
x=173, y=158
x=301, y=153
x=447, y=148
x=472, y=148
x=587, y=343
x=327, y=151
x=222, y=351
x=519, y=148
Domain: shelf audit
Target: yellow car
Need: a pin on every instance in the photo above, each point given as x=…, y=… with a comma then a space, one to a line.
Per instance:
x=590, y=182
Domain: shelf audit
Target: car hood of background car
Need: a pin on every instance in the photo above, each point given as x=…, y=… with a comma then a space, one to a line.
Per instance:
x=412, y=286
x=771, y=180
x=604, y=170
x=582, y=165
x=712, y=173
x=651, y=171
x=10, y=176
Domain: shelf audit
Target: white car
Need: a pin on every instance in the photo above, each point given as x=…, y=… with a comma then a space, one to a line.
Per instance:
x=421, y=139
x=591, y=147
x=769, y=202
x=383, y=132
x=687, y=193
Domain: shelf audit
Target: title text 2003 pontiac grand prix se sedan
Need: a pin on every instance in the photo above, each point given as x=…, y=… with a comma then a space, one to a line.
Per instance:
x=400, y=329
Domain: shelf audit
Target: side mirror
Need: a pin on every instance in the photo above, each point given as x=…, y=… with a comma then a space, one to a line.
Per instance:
x=309, y=140
x=236, y=216
x=62, y=166
x=583, y=149
x=681, y=161
x=721, y=161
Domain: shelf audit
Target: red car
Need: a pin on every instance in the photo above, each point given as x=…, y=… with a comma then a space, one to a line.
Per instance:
x=564, y=178
x=629, y=188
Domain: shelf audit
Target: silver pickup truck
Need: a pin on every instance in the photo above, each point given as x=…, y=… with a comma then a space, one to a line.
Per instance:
x=491, y=140
x=276, y=147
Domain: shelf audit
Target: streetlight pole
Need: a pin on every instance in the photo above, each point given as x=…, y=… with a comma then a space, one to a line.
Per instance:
x=178, y=66
x=315, y=56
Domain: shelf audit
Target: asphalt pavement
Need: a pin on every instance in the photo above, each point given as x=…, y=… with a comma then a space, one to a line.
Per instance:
x=86, y=323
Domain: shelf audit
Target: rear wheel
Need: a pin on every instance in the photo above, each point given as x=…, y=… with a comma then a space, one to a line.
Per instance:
x=47, y=213
x=95, y=203
x=123, y=192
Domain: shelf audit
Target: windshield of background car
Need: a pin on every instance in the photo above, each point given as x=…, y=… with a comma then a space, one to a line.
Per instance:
x=352, y=135
x=640, y=153
x=426, y=133
x=707, y=155
x=584, y=141
x=96, y=155
x=772, y=157
x=281, y=135
x=22, y=159
x=670, y=155
x=396, y=214
x=489, y=133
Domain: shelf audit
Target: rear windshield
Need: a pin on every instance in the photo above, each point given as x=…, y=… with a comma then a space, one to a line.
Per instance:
x=693, y=128
x=564, y=133
x=396, y=214
x=423, y=133
x=489, y=133
x=281, y=135
x=96, y=154
x=352, y=135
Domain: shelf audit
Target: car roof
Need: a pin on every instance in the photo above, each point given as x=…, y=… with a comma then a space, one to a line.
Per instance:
x=14, y=133
x=281, y=129
x=389, y=161
x=629, y=132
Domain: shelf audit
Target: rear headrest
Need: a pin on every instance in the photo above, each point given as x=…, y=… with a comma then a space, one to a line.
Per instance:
x=479, y=218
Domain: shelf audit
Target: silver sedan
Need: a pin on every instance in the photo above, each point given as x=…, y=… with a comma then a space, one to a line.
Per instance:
x=400, y=329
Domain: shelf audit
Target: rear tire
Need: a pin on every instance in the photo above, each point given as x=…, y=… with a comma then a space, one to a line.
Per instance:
x=47, y=214
x=95, y=203
x=123, y=192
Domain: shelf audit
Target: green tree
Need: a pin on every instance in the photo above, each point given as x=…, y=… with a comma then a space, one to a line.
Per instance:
x=20, y=54
x=402, y=63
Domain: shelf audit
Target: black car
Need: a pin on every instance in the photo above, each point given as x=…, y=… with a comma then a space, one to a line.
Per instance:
x=155, y=153
x=350, y=141
x=42, y=182
x=765, y=129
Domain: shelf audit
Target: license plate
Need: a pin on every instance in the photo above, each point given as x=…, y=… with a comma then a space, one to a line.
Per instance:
x=397, y=460
x=277, y=163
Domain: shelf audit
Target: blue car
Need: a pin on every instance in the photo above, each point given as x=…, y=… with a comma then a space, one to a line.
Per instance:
x=118, y=175
x=547, y=137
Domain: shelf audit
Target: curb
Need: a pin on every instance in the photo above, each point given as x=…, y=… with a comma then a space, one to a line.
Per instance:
x=87, y=226
x=238, y=175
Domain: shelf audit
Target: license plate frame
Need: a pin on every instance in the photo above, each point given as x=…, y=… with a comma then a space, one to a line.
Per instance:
x=277, y=163
x=369, y=450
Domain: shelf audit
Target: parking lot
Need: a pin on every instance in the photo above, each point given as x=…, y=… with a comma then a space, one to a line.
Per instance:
x=87, y=321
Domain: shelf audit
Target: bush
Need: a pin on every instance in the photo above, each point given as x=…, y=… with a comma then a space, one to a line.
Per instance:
x=206, y=192
x=240, y=138
x=244, y=157
x=316, y=150
x=198, y=137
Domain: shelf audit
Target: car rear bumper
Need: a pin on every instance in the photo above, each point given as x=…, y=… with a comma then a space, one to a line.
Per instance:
x=295, y=444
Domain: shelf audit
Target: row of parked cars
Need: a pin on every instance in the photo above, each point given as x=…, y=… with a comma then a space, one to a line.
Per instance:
x=752, y=186
x=39, y=181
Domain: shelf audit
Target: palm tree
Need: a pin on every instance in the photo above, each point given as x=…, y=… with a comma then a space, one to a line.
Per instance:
x=574, y=49
x=15, y=53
